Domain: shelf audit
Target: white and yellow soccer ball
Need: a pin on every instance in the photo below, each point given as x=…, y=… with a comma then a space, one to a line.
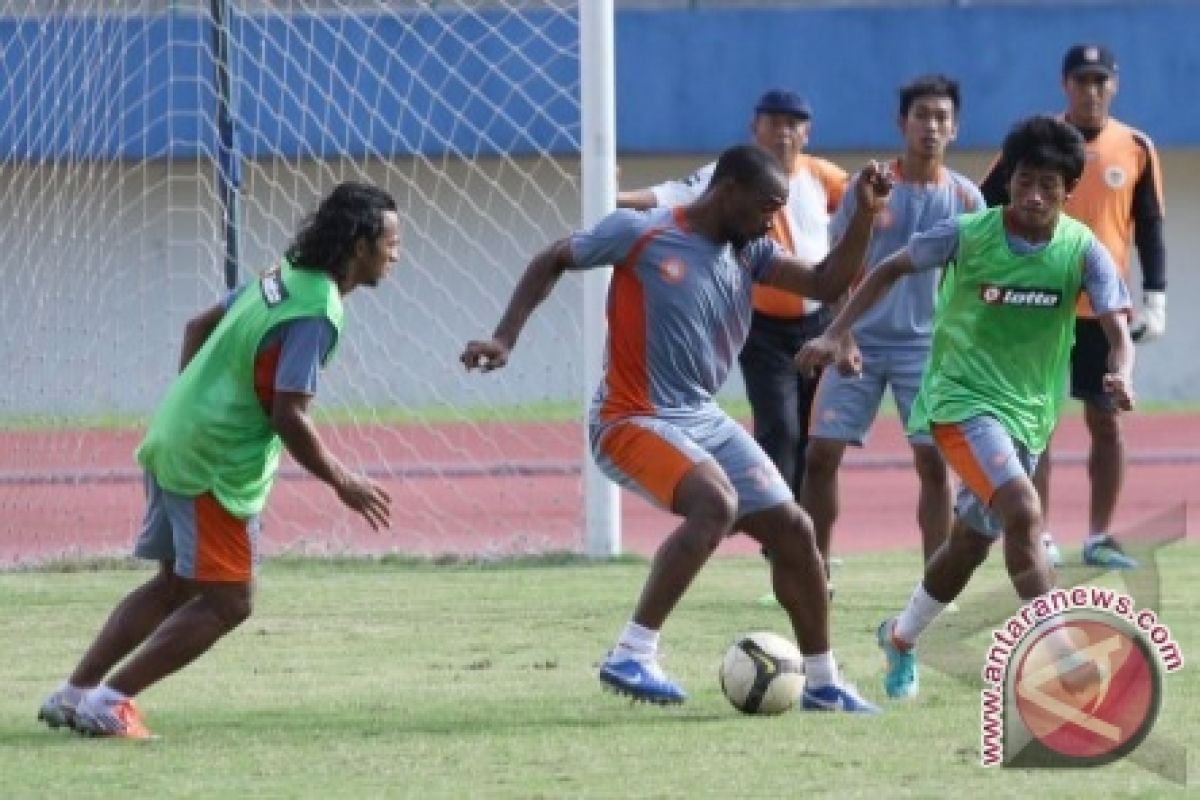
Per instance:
x=762, y=673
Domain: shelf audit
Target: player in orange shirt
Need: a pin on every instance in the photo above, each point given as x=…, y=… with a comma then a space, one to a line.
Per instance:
x=1120, y=198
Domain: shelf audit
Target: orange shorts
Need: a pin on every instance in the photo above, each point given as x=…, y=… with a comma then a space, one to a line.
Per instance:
x=203, y=540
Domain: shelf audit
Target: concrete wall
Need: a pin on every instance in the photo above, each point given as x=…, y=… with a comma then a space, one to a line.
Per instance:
x=103, y=265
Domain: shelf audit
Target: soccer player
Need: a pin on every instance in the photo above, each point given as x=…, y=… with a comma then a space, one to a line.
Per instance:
x=678, y=311
x=248, y=372
x=780, y=398
x=1002, y=335
x=1120, y=198
x=893, y=338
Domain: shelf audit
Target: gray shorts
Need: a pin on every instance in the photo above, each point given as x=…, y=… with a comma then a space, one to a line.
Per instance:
x=985, y=457
x=203, y=540
x=650, y=455
x=846, y=406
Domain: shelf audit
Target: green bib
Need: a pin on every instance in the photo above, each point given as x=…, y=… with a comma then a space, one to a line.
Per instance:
x=1003, y=330
x=210, y=433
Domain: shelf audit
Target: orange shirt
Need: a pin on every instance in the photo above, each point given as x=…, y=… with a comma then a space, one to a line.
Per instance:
x=802, y=228
x=1103, y=199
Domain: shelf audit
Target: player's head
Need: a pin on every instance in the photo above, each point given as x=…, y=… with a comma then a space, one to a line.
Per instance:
x=354, y=235
x=1089, y=75
x=747, y=186
x=929, y=115
x=1043, y=157
x=782, y=121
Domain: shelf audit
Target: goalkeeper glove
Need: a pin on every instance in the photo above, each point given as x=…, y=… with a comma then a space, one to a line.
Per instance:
x=1152, y=322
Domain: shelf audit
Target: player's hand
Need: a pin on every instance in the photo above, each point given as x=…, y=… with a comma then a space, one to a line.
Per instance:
x=873, y=186
x=1121, y=389
x=1152, y=321
x=485, y=356
x=817, y=353
x=366, y=497
x=849, y=360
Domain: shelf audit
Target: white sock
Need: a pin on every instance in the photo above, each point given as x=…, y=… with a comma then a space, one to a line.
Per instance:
x=916, y=616
x=637, y=642
x=105, y=695
x=820, y=670
x=1096, y=538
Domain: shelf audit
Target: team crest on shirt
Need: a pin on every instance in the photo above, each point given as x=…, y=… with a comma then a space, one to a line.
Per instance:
x=994, y=294
x=1114, y=176
x=672, y=270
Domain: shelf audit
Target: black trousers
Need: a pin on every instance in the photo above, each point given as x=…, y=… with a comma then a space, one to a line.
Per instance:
x=781, y=398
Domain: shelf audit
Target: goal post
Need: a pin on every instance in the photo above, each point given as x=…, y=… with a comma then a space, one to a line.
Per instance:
x=491, y=122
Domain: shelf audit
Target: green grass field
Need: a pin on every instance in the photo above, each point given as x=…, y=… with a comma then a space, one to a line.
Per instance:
x=357, y=679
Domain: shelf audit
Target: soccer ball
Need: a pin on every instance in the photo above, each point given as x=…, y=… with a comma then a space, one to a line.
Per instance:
x=762, y=673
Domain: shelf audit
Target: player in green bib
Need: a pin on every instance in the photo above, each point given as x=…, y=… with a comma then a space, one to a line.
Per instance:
x=990, y=395
x=248, y=371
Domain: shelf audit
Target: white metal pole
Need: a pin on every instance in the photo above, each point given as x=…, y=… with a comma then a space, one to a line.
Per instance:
x=602, y=515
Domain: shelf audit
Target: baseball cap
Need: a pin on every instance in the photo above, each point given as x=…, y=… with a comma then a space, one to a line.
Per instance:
x=783, y=101
x=1089, y=58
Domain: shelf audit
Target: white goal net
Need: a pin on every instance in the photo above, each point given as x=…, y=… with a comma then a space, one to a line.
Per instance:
x=112, y=234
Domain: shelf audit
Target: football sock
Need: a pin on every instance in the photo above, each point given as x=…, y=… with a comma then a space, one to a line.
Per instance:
x=916, y=616
x=820, y=670
x=637, y=642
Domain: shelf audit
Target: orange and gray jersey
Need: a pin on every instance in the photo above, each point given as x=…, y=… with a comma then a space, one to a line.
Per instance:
x=678, y=310
x=815, y=188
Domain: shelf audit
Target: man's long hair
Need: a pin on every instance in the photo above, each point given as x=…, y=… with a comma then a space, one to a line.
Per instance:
x=326, y=239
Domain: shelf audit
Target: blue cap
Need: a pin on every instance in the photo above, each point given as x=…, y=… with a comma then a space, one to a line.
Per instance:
x=783, y=101
x=1089, y=58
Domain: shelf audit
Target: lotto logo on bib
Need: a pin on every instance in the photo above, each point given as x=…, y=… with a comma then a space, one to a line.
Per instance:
x=1076, y=680
x=995, y=295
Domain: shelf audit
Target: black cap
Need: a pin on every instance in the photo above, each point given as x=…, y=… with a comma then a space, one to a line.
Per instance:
x=783, y=101
x=1089, y=58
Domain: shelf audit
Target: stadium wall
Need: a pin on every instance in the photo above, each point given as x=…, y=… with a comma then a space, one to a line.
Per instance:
x=684, y=77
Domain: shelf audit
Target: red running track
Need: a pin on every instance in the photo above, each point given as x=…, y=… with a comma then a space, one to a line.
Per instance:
x=507, y=489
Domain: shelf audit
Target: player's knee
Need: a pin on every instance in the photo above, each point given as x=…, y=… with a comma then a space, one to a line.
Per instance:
x=1024, y=518
x=231, y=603
x=714, y=512
x=1103, y=425
x=930, y=467
x=822, y=459
x=969, y=547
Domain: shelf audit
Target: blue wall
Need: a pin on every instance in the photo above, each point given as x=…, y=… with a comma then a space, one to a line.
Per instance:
x=686, y=80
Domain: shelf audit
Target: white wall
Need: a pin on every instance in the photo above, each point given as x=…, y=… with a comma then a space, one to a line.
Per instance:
x=102, y=264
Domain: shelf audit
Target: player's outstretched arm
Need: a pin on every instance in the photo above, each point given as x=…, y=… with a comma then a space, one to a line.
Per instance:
x=829, y=279
x=197, y=331
x=639, y=199
x=833, y=345
x=534, y=286
x=290, y=419
x=1118, y=381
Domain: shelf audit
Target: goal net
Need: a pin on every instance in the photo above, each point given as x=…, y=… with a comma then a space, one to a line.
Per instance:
x=112, y=234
